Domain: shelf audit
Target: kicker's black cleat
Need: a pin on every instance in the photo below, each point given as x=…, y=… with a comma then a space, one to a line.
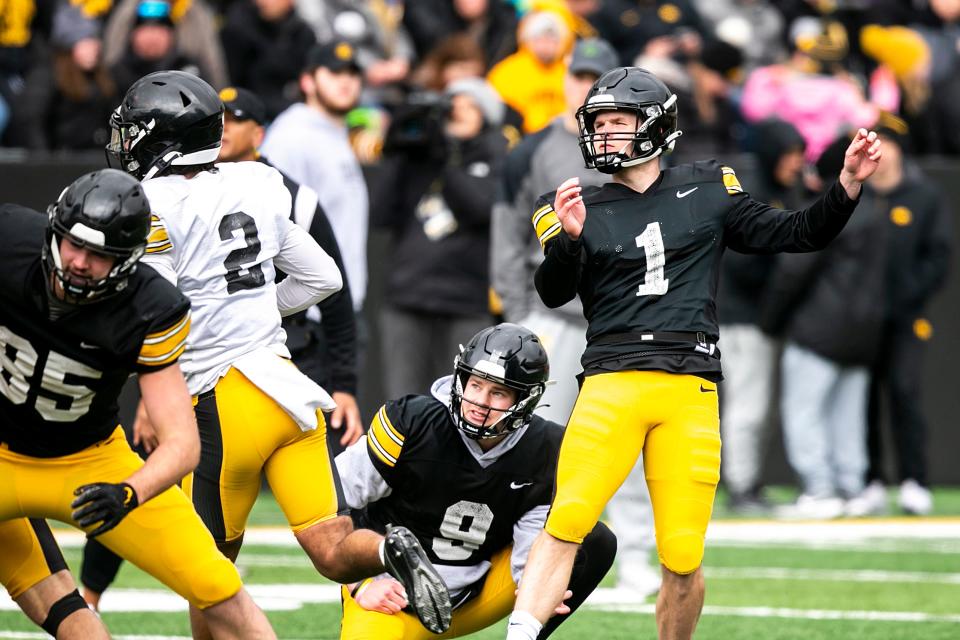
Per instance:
x=426, y=590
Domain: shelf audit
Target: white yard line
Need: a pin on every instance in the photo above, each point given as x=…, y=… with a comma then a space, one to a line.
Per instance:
x=722, y=532
x=832, y=575
x=807, y=614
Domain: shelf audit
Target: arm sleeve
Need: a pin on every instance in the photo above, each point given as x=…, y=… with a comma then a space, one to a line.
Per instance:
x=313, y=275
x=525, y=531
x=337, y=319
x=558, y=275
x=755, y=227
x=386, y=438
x=165, y=340
x=361, y=482
x=159, y=252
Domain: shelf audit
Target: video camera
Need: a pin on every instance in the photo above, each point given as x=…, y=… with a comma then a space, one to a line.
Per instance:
x=417, y=124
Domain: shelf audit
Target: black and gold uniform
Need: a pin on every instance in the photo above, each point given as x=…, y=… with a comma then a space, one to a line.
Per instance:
x=646, y=268
x=63, y=366
x=476, y=513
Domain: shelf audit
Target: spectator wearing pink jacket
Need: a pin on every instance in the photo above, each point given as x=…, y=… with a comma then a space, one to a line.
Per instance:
x=801, y=92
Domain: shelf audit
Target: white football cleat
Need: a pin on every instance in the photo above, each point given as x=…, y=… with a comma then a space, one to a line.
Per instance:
x=915, y=499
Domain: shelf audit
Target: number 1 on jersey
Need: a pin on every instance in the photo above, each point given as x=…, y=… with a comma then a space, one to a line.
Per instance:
x=654, y=284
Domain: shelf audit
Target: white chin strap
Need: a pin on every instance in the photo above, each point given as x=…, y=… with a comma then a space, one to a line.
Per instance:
x=204, y=156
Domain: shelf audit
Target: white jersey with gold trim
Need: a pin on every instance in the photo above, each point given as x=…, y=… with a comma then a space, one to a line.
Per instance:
x=218, y=237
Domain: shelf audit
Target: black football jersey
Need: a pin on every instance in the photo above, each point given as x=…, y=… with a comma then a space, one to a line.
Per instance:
x=462, y=513
x=648, y=263
x=59, y=379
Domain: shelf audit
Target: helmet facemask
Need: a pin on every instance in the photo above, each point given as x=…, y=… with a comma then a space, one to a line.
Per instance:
x=655, y=132
x=513, y=417
x=125, y=263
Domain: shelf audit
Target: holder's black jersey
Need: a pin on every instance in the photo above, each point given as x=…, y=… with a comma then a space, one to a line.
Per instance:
x=461, y=512
x=646, y=265
x=60, y=378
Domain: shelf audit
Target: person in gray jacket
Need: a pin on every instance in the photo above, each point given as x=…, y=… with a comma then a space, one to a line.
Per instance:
x=539, y=163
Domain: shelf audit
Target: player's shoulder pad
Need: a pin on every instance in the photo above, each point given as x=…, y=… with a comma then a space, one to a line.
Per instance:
x=22, y=226
x=155, y=297
x=700, y=172
x=549, y=432
x=399, y=423
x=518, y=161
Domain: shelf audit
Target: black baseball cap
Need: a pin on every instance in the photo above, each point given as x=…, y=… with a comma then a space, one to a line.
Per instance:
x=593, y=55
x=338, y=55
x=243, y=104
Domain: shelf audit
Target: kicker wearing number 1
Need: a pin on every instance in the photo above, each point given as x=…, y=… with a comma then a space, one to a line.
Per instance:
x=643, y=253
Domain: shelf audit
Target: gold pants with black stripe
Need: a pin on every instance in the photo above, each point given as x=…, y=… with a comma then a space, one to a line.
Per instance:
x=163, y=536
x=30, y=554
x=243, y=433
x=674, y=420
x=493, y=603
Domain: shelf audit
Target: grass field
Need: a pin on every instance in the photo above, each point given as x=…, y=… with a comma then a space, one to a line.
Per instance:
x=894, y=578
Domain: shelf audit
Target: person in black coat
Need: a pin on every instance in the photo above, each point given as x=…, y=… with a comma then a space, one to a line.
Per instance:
x=829, y=308
x=444, y=157
x=918, y=259
x=266, y=45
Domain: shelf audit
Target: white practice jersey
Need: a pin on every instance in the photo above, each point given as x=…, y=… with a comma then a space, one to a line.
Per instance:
x=217, y=237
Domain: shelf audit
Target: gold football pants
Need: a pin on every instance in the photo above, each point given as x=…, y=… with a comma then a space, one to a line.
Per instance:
x=243, y=433
x=493, y=603
x=163, y=536
x=674, y=421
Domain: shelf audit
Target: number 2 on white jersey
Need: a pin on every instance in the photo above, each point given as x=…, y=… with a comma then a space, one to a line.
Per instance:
x=654, y=284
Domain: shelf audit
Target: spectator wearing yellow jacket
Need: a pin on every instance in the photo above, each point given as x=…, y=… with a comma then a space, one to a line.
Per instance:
x=531, y=80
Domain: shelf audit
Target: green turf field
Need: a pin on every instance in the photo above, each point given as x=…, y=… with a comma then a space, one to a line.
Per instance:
x=889, y=579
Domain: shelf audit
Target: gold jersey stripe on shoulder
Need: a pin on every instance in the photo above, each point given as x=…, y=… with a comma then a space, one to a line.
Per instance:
x=383, y=439
x=546, y=223
x=730, y=181
x=165, y=346
x=158, y=240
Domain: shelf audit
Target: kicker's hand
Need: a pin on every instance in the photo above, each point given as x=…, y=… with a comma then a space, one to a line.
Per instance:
x=568, y=204
x=103, y=502
x=860, y=161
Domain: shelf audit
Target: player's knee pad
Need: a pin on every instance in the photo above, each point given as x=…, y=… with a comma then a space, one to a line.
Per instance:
x=61, y=609
x=681, y=553
x=572, y=519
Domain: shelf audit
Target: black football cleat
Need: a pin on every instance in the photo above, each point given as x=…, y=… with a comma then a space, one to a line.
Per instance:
x=426, y=590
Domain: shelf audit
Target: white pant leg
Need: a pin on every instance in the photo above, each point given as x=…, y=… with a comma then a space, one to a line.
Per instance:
x=807, y=380
x=745, y=397
x=848, y=429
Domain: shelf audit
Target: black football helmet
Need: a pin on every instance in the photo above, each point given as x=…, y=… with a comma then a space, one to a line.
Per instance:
x=507, y=354
x=107, y=212
x=639, y=91
x=166, y=118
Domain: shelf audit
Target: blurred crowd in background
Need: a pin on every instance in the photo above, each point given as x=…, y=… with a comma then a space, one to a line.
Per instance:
x=465, y=109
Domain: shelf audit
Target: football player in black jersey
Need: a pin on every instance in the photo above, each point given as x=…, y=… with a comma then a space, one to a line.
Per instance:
x=643, y=253
x=469, y=470
x=78, y=315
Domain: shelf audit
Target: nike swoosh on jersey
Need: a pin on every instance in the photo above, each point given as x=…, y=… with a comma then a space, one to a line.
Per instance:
x=517, y=485
x=686, y=193
x=86, y=345
x=705, y=390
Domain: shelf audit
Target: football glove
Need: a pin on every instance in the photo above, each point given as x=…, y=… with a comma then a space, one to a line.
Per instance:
x=103, y=502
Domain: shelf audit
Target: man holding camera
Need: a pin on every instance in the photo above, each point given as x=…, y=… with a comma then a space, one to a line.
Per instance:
x=443, y=156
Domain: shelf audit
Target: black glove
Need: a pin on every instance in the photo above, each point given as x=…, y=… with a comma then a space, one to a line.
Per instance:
x=102, y=501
